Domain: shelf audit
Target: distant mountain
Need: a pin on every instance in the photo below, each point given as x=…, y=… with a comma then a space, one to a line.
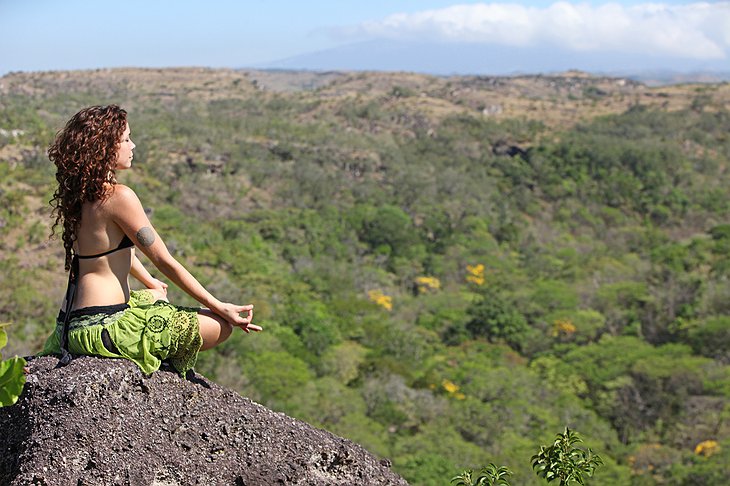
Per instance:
x=664, y=77
x=463, y=58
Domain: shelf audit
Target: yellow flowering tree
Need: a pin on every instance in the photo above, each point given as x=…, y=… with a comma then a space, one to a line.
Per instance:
x=563, y=328
x=475, y=274
x=707, y=448
x=452, y=389
x=384, y=301
x=427, y=284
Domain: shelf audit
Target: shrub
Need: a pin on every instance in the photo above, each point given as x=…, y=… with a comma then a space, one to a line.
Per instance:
x=12, y=377
x=490, y=475
x=565, y=463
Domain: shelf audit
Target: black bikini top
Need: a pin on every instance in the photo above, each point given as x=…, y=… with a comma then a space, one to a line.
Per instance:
x=125, y=243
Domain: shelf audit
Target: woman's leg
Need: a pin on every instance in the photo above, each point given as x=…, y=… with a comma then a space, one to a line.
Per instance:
x=213, y=329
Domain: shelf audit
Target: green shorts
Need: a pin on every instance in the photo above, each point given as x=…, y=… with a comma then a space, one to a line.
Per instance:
x=144, y=331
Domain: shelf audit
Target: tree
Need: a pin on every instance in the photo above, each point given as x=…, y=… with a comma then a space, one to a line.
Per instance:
x=497, y=320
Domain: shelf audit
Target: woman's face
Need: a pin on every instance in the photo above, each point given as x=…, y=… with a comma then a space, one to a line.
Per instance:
x=124, y=152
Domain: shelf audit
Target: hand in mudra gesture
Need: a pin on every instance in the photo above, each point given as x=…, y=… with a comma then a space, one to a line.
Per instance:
x=238, y=316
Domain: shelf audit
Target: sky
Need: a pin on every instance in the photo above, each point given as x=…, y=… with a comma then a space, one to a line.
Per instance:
x=42, y=35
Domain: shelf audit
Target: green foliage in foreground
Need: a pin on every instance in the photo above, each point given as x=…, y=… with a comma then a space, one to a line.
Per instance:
x=564, y=462
x=490, y=475
x=12, y=376
x=561, y=461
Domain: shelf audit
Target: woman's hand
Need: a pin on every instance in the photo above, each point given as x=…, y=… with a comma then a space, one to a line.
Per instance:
x=158, y=289
x=155, y=284
x=232, y=314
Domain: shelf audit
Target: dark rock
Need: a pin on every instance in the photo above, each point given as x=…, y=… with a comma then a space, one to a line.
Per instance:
x=101, y=422
x=503, y=148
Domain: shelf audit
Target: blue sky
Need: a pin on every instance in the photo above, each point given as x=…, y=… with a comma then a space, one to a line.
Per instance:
x=40, y=35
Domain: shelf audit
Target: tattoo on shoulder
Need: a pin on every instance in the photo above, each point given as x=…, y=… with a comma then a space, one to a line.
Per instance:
x=146, y=236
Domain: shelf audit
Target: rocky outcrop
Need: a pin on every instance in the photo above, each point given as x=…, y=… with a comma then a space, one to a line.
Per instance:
x=101, y=422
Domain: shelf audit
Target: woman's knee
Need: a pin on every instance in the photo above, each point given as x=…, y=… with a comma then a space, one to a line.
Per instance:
x=213, y=329
x=226, y=330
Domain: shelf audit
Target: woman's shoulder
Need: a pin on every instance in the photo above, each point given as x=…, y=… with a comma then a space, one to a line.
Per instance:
x=121, y=196
x=120, y=191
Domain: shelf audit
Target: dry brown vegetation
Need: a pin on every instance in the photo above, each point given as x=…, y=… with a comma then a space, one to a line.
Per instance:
x=558, y=101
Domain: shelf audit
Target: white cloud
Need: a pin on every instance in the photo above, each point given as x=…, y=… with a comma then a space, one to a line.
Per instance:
x=696, y=31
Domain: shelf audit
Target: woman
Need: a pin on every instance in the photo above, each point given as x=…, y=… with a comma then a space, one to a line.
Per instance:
x=103, y=222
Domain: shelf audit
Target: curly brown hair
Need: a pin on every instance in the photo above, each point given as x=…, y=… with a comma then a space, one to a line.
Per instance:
x=85, y=154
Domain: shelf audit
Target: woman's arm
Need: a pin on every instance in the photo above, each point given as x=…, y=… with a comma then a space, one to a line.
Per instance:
x=139, y=272
x=126, y=210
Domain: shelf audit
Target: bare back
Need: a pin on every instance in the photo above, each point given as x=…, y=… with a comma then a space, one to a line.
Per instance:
x=102, y=280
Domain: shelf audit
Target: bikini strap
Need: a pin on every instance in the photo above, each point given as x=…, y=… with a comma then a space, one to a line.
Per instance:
x=125, y=243
x=70, y=294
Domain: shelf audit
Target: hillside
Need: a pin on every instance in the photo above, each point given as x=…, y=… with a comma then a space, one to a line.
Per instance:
x=449, y=270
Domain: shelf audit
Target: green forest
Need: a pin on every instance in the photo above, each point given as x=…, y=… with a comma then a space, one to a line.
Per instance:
x=446, y=287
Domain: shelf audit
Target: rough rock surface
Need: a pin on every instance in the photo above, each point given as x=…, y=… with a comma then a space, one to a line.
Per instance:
x=101, y=422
